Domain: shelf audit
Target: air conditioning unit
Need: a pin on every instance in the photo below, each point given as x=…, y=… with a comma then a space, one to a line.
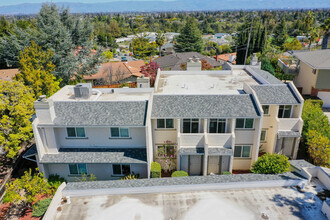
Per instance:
x=83, y=90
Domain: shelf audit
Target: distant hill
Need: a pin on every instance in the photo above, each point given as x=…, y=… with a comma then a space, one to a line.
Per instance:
x=178, y=5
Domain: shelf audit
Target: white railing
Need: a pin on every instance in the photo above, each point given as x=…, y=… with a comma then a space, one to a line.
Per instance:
x=223, y=140
x=288, y=124
x=192, y=140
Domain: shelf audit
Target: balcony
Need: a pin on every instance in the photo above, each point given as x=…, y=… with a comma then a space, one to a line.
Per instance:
x=290, y=124
x=192, y=140
x=289, y=65
x=222, y=140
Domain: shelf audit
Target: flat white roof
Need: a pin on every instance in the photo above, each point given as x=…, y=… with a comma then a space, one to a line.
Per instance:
x=203, y=82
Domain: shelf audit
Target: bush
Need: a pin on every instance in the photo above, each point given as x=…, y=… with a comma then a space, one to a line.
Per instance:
x=156, y=170
x=179, y=173
x=271, y=164
x=40, y=207
x=226, y=173
x=131, y=176
x=55, y=181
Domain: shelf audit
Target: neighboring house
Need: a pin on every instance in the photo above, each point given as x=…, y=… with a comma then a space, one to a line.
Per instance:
x=312, y=72
x=168, y=48
x=116, y=72
x=175, y=61
x=203, y=122
x=227, y=57
x=8, y=74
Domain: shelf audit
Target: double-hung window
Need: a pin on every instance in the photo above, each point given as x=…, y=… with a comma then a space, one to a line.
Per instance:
x=244, y=123
x=217, y=126
x=117, y=132
x=242, y=151
x=121, y=169
x=284, y=111
x=190, y=125
x=263, y=135
x=266, y=109
x=75, y=132
x=167, y=151
x=78, y=168
x=165, y=123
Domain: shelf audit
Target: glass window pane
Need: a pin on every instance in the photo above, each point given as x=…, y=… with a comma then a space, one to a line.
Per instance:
x=263, y=135
x=266, y=109
x=82, y=168
x=213, y=126
x=237, y=151
x=287, y=111
x=249, y=123
x=170, y=151
x=246, y=151
x=80, y=132
x=160, y=123
x=239, y=123
x=126, y=169
x=116, y=169
x=71, y=132
x=73, y=168
x=169, y=123
x=186, y=126
x=161, y=151
x=124, y=132
x=194, y=127
x=280, y=111
x=114, y=132
x=195, y=119
x=222, y=126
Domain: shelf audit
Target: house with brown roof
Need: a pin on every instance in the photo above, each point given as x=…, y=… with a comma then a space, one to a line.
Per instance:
x=227, y=57
x=116, y=72
x=8, y=74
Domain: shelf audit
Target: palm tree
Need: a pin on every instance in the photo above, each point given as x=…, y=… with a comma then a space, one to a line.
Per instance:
x=326, y=28
x=160, y=41
x=312, y=36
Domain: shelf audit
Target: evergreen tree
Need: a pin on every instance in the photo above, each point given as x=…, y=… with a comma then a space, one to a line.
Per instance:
x=36, y=69
x=326, y=28
x=190, y=38
x=280, y=34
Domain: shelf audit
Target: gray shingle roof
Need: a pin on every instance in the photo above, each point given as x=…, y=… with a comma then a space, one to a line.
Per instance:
x=203, y=106
x=300, y=164
x=82, y=113
x=319, y=59
x=267, y=76
x=32, y=151
x=191, y=150
x=189, y=180
x=275, y=94
x=211, y=151
x=97, y=155
x=289, y=134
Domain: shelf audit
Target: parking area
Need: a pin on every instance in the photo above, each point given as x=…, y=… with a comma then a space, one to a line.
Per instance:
x=265, y=203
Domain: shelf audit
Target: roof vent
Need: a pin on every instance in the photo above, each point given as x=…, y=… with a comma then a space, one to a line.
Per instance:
x=83, y=90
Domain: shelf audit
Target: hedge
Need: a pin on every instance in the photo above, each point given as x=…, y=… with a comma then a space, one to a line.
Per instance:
x=179, y=173
x=271, y=164
x=226, y=173
x=315, y=101
x=40, y=207
x=156, y=170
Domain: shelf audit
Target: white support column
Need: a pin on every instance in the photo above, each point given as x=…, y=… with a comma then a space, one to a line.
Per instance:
x=233, y=126
x=206, y=148
x=178, y=156
x=296, y=147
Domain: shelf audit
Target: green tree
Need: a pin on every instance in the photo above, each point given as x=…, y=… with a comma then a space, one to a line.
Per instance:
x=313, y=35
x=225, y=48
x=271, y=164
x=36, y=70
x=4, y=26
x=326, y=28
x=267, y=65
x=142, y=48
x=16, y=109
x=27, y=188
x=280, y=34
x=160, y=41
x=319, y=148
x=190, y=38
x=293, y=45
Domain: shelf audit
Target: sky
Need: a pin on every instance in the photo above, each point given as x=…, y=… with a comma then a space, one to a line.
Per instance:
x=16, y=2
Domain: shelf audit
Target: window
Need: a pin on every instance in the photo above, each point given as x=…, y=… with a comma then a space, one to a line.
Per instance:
x=165, y=123
x=121, y=169
x=190, y=125
x=75, y=132
x=217, y=126
x=242, y=151
x=167, y=151
x=263, y=135
x=119, y=132
x=78, y=168
x=266, y=109
x=245, y=123
x=284, y=111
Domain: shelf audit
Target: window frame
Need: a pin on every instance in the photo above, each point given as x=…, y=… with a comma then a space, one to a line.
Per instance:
x=242, y=149
x=119, y=132
x=283, y=113
x=77, y=166
x=121, y=169
x=265, y=136
x=244, y=123
x=166, y=151
x=191, y=122
x=217, y=125
x=268, y=108
x=165, y=123
x=75, y=130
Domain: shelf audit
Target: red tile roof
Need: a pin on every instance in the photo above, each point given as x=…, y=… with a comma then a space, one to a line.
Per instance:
x=8, y=74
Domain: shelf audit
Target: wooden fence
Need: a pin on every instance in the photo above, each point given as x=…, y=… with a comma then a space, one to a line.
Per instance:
x=131, y=85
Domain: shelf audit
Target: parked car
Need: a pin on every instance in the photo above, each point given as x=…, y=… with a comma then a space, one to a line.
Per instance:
x=123, y=59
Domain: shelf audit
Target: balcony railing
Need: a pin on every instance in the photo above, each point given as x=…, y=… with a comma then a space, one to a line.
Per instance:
x=192, y=139
x=288, y=124
x=223, y=140
x=289, y=66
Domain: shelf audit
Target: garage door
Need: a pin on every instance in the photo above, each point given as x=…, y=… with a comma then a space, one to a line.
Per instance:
x=213, y=165
x=195, y=165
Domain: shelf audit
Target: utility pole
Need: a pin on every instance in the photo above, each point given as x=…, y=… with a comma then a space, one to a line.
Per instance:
x=248, y=43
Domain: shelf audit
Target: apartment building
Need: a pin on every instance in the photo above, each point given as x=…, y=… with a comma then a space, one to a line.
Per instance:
x=203, y=122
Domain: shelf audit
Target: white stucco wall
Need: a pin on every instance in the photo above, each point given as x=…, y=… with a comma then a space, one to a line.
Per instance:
x=269, y=124
x=325, y=96
x=305, y=79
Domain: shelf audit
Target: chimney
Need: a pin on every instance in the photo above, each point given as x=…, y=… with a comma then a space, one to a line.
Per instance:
x=44, y=110
x=83, y=90
x=151, y=59
x=194, y=65
x=143, y=82
x=217, y=58
x=254, y=60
